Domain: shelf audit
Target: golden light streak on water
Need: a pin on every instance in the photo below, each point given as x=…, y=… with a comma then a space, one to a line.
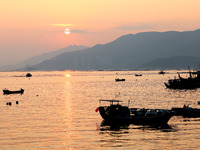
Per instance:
x=58, y=111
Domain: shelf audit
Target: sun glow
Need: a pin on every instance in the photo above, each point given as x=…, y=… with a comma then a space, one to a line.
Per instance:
x=67, y=31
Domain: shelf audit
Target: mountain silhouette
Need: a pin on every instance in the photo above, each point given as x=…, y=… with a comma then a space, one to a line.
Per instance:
x=40, y=58
x=132, y=51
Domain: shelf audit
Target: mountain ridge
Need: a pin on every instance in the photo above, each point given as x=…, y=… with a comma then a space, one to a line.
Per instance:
x=129, y=52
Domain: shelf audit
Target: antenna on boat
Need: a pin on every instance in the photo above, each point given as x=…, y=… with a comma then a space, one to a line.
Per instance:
x=128, y=102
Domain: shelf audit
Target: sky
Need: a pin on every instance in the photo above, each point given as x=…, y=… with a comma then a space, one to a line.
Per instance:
x=33, y=27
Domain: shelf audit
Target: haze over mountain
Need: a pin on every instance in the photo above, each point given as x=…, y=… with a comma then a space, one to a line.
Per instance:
x=40, y=58
x=147, y=50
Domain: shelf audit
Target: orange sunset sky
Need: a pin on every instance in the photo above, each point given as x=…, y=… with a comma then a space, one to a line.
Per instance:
x=32, y=27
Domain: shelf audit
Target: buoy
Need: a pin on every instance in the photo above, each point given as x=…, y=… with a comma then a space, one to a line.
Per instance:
x=198, y=102
x=17, y=102
x=9, y=103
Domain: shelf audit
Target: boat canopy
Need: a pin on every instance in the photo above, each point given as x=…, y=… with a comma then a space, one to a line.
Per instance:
x=111, y=101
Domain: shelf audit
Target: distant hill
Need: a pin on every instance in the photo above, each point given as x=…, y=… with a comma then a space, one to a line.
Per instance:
x=133, y=51
x=38, y=59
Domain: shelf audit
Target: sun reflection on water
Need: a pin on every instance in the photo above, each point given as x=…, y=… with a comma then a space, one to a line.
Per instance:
x=67, y=75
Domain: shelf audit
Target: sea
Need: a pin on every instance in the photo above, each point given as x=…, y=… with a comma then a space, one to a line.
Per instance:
x=57, y=111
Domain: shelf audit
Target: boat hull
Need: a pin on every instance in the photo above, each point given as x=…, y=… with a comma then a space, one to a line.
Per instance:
x=182, y=85
x=161, y=118
x=7, y=92
x=187, y=112
x=117, y=80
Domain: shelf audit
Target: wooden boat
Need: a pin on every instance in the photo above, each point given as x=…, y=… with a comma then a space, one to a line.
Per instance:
x=117, y=80
x=192, y=82
x=7, y=92
x=118, y=113
x=187, y=111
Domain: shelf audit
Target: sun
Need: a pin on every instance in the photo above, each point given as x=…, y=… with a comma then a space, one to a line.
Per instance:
x=68, y=75
x=67, y=31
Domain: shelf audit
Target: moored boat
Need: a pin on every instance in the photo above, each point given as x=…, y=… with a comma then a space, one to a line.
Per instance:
x=186, y=111
x=118, y=113
x=119, y=79
x=7, y=92
x=192, y=82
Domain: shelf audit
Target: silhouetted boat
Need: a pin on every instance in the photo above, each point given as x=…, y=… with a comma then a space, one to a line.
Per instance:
x=187, y=111
x=7, y=92
x=119, y=79
x=118, y=113
x=161, y=72
x=28, y=75
x=192, y=82
x=138, y=75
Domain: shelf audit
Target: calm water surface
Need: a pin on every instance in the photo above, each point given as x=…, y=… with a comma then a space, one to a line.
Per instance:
x=57, y=111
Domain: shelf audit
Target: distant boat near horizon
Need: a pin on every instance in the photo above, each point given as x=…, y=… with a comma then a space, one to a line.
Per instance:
x=117, y=79
x=161, y=72
x=138, y=75
x=28, y=75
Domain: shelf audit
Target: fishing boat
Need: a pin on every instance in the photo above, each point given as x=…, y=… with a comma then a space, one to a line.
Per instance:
x=7, y=92
x=117, y=79
x=186, y=111
x=192, y=82
x=118, y=113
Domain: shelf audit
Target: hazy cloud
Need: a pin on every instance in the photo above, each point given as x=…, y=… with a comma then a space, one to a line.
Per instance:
x=78, y=31
x=135, y=27
x=61, y=25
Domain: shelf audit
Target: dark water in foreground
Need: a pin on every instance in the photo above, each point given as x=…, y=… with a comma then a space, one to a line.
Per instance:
x=57, y=111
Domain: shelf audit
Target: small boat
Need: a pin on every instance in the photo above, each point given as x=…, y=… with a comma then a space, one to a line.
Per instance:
x=187, y=111
x=28, y=75
x=119, y=79
x=118, y=113
x=138, y=75
x=7, y=92
x=161, y=72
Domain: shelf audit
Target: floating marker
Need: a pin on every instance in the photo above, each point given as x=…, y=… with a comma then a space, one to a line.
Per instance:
x=17, y=102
